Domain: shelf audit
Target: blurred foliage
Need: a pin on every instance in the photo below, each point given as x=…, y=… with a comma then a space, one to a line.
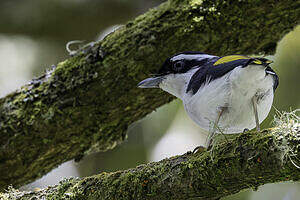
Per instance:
x=54, y=23
x=66, y=20
x=287, y=65
x=51, y=24
x=288, y=61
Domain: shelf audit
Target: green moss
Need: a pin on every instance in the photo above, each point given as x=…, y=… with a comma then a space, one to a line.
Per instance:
x=196, y=3
x=86, y=102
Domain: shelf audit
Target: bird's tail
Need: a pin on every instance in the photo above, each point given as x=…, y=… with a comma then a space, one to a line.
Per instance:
x=150, y=82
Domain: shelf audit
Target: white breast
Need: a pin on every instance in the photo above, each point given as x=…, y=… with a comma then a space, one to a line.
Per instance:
x=176, y=84
x=234, y=92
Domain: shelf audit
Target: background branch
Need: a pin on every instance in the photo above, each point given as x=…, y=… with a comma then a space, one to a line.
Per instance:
x=86, y=103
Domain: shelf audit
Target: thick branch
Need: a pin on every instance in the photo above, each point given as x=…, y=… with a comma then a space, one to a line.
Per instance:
x=247, y=161
x=87, y=102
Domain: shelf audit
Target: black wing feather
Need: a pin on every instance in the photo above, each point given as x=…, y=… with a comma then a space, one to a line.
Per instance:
x=210, y=72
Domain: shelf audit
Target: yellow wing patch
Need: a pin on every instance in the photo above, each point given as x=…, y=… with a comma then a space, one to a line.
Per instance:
x=231, y=58
x=258, y=62
x=269, y=61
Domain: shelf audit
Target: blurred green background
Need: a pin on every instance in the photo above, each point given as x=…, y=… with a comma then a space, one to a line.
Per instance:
x=33, y=35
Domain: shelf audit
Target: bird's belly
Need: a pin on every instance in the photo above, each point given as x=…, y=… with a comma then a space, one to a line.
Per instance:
x=238, y=112
x=204, y=106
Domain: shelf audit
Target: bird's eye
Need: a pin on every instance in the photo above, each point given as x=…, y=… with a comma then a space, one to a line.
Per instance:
x=178, y=66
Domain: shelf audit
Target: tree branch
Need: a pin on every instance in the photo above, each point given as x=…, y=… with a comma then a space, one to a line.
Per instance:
x=86, y=102
x=246, y=161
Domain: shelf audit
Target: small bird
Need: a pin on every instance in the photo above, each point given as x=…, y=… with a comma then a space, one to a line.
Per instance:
x=226, y=95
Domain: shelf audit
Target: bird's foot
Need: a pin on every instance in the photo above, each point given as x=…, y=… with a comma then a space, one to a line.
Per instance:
x=199, y=149
x=245, y=130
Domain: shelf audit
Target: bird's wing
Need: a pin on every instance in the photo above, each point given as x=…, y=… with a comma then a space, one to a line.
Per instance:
x=214, y=69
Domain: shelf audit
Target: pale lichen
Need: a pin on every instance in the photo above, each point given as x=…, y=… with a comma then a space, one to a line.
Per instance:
x=11, y=194
x=198, y=19
x=287, y=135
x=212, y=9
x=196, y=3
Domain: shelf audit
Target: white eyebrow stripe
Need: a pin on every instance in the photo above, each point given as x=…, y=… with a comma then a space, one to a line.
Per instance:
x=192, y=56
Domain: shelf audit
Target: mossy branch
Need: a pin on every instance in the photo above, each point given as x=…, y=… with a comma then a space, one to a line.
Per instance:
x=246, y=161
x=86, y=102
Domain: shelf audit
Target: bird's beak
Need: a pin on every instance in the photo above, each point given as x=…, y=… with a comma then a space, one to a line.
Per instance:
x=150, y=82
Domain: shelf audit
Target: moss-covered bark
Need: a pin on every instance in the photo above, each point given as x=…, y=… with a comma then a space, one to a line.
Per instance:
x=246, y=161
x=86, y=103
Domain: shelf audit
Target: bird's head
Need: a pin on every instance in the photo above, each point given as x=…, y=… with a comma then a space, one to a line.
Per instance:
x=183, y=62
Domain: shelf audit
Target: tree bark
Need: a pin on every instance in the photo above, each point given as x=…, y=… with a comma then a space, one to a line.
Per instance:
x=86, y=102
x=246, y=161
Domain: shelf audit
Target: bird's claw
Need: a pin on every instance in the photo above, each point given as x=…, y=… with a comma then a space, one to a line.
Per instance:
x=199, y=149
x=245, y=130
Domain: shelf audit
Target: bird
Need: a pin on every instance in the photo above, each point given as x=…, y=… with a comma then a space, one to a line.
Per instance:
x=228, y=94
